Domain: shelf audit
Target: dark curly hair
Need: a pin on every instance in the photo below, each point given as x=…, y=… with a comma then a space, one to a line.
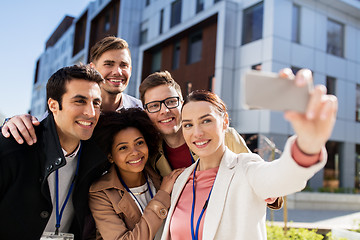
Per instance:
x=110, y=123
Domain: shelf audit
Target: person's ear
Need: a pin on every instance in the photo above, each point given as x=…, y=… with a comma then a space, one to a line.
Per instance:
x=226, y=121
x=53, y=105
x=92, y=64
x=110, y=158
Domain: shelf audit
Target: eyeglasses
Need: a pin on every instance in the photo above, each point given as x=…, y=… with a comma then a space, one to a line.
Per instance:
x=155, y=106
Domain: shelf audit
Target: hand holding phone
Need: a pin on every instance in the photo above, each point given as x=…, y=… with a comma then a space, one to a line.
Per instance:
x=266, y=90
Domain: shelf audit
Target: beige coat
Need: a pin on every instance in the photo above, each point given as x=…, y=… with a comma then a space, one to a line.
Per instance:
x=116, y=214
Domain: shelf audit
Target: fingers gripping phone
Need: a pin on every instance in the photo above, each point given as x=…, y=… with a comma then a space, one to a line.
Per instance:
x=266, y=90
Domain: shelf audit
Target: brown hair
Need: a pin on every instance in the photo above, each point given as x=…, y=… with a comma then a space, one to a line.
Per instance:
x=158, y=79
x=207, y=96
x=106, y=44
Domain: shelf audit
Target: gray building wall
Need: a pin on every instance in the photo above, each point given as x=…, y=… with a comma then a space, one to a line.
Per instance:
x=274, y=51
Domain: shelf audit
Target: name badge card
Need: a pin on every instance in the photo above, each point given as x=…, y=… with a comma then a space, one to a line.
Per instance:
x=60, y=236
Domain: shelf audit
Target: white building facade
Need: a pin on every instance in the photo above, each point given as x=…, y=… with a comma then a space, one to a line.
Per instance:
x=210, y=44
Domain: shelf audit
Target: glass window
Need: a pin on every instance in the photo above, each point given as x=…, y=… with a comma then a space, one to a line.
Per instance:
x=251, y=140
x=161, y=21
x=358, y=102
x=357, y=168
x=195, y=48
x=156, y=61
x=332, y=168
x=295, y=34
x=331, y=85
x=212, y=81
x=199, y=5
x=335, y=38
x=107, y=22
x=252, y=23
x=114, y=13
x=175, y=13
x=143, y=36
x=144, y=32
x=147, y=2
x=176, y=55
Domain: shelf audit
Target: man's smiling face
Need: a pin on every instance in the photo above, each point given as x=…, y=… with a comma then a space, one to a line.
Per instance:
x=115, y=67
x=167, y=121
x=80, y=111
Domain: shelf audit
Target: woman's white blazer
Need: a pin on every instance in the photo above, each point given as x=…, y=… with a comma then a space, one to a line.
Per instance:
x=237, y=207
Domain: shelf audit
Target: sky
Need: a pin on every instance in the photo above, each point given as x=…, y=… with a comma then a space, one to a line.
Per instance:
x=25, y=26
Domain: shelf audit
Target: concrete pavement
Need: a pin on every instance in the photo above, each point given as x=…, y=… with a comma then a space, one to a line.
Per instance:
x=324, y=220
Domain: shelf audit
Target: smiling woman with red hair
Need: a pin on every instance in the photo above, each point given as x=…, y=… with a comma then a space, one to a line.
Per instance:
x=221, y=195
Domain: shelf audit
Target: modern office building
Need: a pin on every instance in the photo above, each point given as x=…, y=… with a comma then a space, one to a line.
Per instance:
x=209, y=44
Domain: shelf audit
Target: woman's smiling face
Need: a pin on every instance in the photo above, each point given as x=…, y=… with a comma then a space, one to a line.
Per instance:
x=204, y=128
x=129, y=151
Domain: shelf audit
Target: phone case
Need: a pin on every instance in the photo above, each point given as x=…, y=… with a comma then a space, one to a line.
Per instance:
x=266, y=90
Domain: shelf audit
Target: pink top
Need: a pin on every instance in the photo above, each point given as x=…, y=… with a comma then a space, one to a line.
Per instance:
x=181, y=218
x=180, y=227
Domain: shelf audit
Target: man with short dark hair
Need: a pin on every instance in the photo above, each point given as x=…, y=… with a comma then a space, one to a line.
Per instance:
x=44, y=187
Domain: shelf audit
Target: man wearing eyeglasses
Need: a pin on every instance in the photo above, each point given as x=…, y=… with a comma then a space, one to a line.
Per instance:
x=162, y=100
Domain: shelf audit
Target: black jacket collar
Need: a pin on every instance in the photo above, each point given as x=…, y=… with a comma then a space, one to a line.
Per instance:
x=91, y=155
x=50, y=144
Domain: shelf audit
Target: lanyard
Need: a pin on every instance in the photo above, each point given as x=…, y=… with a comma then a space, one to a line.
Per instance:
x=129, y=191
x=59, y=214
x=192, y=158
x=194, y=236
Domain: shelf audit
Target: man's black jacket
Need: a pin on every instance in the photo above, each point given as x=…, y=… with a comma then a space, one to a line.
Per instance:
x=25, y=202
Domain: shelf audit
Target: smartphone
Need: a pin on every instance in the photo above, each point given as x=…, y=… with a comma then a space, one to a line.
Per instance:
x=266, y=90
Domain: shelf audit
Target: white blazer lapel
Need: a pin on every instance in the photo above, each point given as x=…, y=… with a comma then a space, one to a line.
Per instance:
x=176, y=192
x=219, y=194
x=180, y=184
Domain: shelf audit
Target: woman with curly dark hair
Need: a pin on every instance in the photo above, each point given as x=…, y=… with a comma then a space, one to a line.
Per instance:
x=129, y=202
